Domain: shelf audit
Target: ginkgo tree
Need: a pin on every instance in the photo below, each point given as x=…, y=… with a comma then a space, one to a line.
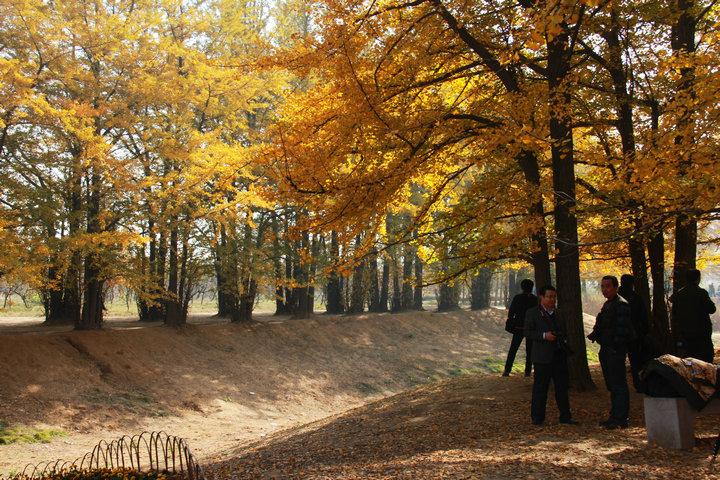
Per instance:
x=126, y=128
x=498, y=110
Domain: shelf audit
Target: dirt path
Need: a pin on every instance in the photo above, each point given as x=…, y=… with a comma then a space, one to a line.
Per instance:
x=221, y=385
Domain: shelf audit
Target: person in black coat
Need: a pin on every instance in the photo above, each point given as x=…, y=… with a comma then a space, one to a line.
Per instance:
x=546, y=328
x=516, y=317
x=640, y=350
x=614, y=331
x=691, y=325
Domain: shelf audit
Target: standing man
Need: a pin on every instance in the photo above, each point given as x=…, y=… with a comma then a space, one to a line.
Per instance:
x=638, y=349
x=520, y=304
x=614, y=331
x=546, y=328
x=692, y=328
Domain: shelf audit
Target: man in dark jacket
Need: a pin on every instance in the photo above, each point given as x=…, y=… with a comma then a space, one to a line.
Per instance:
x=614, y=331
x=691, y=325
x=520, y=304
x=639, y=350
x=546, y=328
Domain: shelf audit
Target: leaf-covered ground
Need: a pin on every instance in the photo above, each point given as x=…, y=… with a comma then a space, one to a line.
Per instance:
x=475, y=426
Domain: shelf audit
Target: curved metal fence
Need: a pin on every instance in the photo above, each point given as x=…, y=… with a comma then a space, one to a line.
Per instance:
x=148, y=451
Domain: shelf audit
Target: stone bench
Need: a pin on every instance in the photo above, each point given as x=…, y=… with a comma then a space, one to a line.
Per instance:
x=670, y=422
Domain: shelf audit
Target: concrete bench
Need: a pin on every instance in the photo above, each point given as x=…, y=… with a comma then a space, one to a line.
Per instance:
x=670, y=422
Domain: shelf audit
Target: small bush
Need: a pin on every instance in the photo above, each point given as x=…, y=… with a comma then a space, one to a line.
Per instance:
x=10, y=435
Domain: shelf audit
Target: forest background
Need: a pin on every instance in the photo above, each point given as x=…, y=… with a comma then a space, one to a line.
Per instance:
x=354, y=151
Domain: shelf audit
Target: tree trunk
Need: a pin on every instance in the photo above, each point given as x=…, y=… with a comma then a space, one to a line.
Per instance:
x=300, y=305
x=312, y=271
x=173, y=310
x=638, y=264
x=418, y=289
x=357, y=295
x=660, y=326
x=384, y=286
x=374, y=287
x=685, y=249
x=567, y=261
x=280, y=306
x=480, y=287
x=407, y=285
x=57, y=310
x=92, y=310
x=223, y=256
x=448, y=297
x=334, y=286
x=683, y=45
x=72, y=295
x=396, y=298
x=92, y=307
x=511, y=286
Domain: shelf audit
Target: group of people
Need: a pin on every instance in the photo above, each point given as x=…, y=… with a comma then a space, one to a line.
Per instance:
x=621, y=329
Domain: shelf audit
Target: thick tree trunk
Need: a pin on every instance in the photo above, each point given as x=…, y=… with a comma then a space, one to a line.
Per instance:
x=512, y=287
x=638, y=264
x=72, y=295
x=480, y=287
x=223, y=257
x=374, y=284
x=683, y=45
x=300, y=306
x=92, y=310
x=685, y=249
x=58, y=311
x=358, y=292
x=173, y=310
x=93, y=303
x=660, y=326
x=567, y=261
x=448, y=297
x=334, y=285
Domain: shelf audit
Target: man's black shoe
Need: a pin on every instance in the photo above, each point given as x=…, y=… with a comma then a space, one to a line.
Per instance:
x=537, y=422
x=570, y=422
x=506, y=374
x=615, y=426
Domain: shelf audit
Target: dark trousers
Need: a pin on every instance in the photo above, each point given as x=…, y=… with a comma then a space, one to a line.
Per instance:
x=699, y=347
x=517, y=339
x=612, y=361
x=557, y=371
x=638, y=355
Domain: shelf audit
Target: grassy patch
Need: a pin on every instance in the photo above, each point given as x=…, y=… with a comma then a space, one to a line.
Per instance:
x=593, y=352
x=10, y=435
x=138, y=403
x=459, y=372
x=495, y=365
x=367, y=389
